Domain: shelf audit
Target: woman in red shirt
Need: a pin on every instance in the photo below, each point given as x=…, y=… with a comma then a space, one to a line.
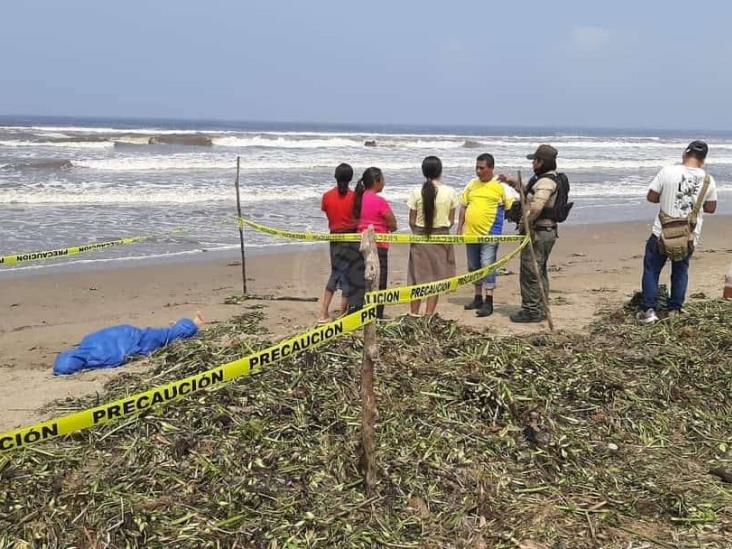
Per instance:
x=337, y=203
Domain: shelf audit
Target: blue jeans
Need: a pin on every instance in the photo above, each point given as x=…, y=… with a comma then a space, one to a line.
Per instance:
x=480, y=255
x=653, y=263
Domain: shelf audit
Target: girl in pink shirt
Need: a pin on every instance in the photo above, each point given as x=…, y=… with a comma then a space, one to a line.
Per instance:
x=371, y=209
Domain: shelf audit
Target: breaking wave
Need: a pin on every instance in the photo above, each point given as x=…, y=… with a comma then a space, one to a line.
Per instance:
x=68, y=192
x=185, y=162
x=71, y=144
x=39, y=164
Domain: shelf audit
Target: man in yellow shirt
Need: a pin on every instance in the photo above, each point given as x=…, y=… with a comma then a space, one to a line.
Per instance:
x=483, y=203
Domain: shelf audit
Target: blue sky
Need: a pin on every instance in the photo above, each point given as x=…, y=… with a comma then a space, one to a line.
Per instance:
x=563, y=63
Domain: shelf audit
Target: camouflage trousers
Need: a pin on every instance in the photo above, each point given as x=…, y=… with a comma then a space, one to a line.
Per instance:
x=543, y=242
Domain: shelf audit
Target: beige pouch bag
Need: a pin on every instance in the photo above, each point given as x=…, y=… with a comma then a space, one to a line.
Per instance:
x=677, y=233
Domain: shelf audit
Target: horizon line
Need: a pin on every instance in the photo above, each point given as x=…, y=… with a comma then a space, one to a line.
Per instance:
x=395, y=125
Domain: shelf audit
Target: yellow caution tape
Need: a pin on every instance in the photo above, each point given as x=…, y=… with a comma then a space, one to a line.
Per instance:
x=63, y=252
x=170, y=392
x=405, y=294
x=392, y=238
x=176, y=390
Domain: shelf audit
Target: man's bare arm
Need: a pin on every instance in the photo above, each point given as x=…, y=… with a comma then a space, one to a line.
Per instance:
x=461, y=220
x=710, y=206
x=654, y=197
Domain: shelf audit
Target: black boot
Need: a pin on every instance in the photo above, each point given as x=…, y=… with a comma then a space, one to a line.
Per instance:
x=477, y=303
x=487, y=308
x=524, y=316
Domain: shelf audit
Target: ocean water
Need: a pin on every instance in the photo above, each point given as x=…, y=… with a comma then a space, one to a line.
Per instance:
x=75, y=181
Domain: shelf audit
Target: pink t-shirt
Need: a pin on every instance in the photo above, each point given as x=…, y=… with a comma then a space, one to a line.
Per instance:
x=374, y=210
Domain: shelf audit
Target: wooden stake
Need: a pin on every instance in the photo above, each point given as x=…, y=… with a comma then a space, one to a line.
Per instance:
x=367, y=460
x=534, y=262
x=241, y=233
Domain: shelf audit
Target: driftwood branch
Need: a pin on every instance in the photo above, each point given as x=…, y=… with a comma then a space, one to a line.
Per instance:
x=283, y=298
x=241, y=232
x=367, y=459
x=236, y=299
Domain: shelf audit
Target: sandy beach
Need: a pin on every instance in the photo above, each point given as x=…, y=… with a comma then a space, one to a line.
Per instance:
x=593, y=266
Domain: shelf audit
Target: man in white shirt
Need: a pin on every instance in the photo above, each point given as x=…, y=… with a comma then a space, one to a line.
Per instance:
x=676, y=189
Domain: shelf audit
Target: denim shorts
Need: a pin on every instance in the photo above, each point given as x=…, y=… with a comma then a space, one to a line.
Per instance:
x=344, y=263
x=480, y=255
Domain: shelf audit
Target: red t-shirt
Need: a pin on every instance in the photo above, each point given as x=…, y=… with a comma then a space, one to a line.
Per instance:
x=339, y=211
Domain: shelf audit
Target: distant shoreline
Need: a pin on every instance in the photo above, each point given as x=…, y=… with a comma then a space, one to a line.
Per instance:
x=381, y=127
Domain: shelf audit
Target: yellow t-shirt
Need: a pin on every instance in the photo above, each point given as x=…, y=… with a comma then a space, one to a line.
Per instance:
x=445, y=201
x=486, y=203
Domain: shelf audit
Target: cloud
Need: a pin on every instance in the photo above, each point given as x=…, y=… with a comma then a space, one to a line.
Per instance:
x=589, y=40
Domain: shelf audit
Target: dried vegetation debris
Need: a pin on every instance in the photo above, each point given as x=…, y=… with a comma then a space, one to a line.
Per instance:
x=597, y=440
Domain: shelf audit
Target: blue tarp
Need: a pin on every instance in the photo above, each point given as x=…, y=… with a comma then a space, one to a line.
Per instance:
x=112, y=347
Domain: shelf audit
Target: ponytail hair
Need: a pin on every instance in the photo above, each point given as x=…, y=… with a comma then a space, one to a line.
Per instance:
x=368, y=180
x=358, y=199
x=431, y=169
x=343, y=176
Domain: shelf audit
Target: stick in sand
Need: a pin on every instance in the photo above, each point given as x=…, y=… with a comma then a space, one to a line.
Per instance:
x=241, y=233
x=367, y=460
x=534, y=262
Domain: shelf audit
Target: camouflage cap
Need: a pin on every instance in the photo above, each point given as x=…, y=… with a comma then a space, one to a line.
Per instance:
x=544, y=152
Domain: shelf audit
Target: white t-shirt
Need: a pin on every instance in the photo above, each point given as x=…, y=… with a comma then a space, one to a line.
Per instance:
x=679, y=187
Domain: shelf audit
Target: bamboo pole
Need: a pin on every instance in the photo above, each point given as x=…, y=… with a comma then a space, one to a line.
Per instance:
x=367, y=460
x=534, y=262
x=241, y=232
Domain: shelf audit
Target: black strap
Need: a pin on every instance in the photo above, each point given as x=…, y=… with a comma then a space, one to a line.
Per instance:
x=535, y=179
x=547, y=212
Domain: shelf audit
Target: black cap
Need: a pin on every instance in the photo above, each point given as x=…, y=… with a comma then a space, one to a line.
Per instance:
x=699, y=148
x=544, y=152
